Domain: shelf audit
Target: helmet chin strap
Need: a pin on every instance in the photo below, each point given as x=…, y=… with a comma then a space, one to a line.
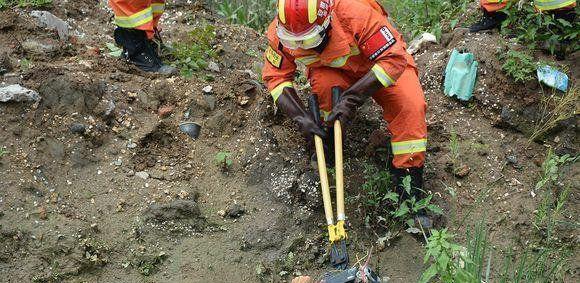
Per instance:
x=324, y=42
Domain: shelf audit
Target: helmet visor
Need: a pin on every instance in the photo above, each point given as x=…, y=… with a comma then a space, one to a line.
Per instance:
x=306, y=40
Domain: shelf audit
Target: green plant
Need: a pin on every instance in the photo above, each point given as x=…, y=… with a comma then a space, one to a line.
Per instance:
x=191, y=54
x=555, y=108
x=447, y=259
x=417, y=16
x=256, y=14
x=25, y=64
x=3, y=152
x=223, y=160
x=545, y=265
x=24, y=3
x=519, y=65
x=536, y=29
x=380, y=200
x=552, y=202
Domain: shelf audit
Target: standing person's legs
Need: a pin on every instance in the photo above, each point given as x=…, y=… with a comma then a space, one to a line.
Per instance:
x=136, y=14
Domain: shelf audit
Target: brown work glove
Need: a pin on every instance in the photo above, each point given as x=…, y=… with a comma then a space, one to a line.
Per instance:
x=354, y=97
x=290, y=104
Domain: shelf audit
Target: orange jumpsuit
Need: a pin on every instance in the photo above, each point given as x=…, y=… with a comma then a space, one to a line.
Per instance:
x=138, y=14
x=360, y=40
x=541, y=5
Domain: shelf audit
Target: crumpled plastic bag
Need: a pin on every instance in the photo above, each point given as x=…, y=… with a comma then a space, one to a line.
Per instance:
x=460, y=75
x=552, y=78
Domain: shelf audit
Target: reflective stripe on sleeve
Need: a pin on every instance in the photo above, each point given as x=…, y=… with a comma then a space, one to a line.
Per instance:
x=158, y=8
x=382, y=76
x=277, y=91
x=142, y=17
x=412, y=146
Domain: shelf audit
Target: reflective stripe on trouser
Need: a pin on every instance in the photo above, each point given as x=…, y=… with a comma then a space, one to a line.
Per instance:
x=493, y=5
x=137, y=14
x=158, y=7
x=547, y=5
x=403, y=106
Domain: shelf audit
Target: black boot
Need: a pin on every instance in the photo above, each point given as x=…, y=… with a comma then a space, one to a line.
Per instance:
x=488, y=22
x=138, y=50
x=398, y=176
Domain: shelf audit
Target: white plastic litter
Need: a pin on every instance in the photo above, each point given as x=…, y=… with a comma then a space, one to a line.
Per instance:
x=416, y=44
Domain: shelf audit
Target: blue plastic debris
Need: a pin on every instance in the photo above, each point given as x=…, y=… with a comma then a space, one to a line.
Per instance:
x=460, y=75
x=552, y=78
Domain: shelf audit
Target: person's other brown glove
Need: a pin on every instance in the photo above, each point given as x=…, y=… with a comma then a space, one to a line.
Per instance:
x=354, y=97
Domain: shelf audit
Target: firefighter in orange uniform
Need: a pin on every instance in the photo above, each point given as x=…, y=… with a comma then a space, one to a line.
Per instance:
x=492, y=18
x=137, y=32
x=352, y=45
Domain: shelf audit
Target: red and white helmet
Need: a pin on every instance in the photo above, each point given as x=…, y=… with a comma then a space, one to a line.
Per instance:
x=303, y=23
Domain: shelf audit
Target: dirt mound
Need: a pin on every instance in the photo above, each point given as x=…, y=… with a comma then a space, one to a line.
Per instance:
x=100, y=185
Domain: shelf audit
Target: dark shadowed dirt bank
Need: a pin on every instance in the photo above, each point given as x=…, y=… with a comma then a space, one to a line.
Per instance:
x=99, y=185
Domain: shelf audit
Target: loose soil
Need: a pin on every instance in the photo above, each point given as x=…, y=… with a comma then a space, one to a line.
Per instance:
x=96, y=186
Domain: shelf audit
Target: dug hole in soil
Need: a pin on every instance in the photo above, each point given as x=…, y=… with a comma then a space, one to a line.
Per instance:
x=99, y=185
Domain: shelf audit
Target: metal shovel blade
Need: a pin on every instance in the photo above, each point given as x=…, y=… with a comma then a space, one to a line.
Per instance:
x=339, y=255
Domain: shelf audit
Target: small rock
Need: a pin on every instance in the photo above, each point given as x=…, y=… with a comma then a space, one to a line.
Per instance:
x=221, y=213
x=17, y=93
x=183, y=194
x=131, y=145
x=42, y=213
x=165, y=111
x=94, y=227
x=209, y=100
x=214, y=67
x=47, y=20
x=235, y=210
x=37, y=48
x=462, y=171
x=77, y=128
x=142, y=174
x=118, y=162
x=511, y=159
x=207, y=89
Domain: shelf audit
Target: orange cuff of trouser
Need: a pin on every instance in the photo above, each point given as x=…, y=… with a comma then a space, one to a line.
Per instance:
x=139, y=14
x=493, y=5
x=410, y=153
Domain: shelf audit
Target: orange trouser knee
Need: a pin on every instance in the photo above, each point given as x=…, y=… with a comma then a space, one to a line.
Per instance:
x=138, y=14
x=403, y=105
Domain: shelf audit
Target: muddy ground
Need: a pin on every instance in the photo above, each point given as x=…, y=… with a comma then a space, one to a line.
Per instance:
x=99, y=185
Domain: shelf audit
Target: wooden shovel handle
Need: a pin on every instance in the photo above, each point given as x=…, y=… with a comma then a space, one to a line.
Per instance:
x=339, y=165
x=323, y=180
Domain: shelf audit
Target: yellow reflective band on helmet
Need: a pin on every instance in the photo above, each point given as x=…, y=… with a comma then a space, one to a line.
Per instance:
x=546, y=5
x=140, y=18
x=277, y=91
x=281, y=11
x=312, y=11
x=382, y=76
x=405, y=147
x=158, y=8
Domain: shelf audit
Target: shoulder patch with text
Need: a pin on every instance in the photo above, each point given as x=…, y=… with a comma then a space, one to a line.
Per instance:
x=273, y=57
x=378, y=43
